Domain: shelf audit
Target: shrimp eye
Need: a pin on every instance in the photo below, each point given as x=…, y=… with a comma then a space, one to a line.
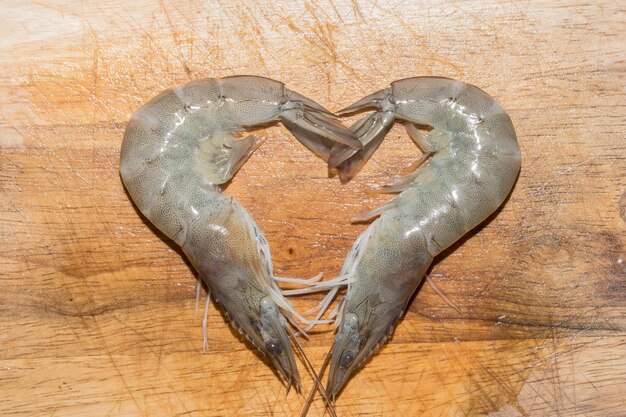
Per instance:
x=346, y=359
x=274, y=347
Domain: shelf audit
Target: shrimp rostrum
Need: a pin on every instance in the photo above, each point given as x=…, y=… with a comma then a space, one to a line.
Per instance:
x=177, y=150
x=473, y=160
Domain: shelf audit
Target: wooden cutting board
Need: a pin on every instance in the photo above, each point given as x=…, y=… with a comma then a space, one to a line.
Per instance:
x=97, y=309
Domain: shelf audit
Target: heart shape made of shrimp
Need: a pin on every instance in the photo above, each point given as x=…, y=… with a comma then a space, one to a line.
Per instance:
x=180, y=146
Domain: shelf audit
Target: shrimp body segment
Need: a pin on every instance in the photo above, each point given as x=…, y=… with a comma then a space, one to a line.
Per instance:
x=475, y=160
x=178, y=148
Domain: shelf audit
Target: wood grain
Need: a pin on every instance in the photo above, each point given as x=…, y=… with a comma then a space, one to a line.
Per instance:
x=97, y=309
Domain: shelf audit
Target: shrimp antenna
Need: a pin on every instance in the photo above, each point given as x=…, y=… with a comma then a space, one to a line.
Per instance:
x=441, y=294
x=317, y=383
x=318, y=377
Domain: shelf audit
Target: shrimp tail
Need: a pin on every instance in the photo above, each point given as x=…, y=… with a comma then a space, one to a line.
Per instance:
x=314, y=126
x=371, y=131
x=373, y=100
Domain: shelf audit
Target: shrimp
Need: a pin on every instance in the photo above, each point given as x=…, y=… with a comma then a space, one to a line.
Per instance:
x=177, y=151
x=472, y=163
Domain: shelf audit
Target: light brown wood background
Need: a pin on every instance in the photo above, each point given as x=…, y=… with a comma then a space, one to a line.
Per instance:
x=97, y=309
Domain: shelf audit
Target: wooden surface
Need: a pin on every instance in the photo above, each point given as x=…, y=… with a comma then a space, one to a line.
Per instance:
x=97, y=312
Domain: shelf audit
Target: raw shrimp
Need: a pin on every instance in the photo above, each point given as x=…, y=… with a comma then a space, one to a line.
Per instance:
x=178, y=148
x=473, y=160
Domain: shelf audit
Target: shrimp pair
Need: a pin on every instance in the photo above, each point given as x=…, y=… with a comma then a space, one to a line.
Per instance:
x=179, y=147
